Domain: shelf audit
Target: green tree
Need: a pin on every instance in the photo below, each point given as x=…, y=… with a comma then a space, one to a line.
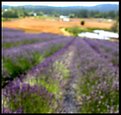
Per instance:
x=10, y=14
x=40, y=13
x=71, y=15
x=82, y=22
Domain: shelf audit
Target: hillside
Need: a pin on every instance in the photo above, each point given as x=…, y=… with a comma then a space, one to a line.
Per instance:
x=101, y=8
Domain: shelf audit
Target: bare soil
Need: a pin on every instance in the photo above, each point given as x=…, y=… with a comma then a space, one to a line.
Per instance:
x=35, y=25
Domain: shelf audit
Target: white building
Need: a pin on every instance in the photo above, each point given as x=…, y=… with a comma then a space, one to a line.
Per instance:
x=64, y=18
x=34, y=14
x=6, y=10
x=110, y=20
x=61, y=17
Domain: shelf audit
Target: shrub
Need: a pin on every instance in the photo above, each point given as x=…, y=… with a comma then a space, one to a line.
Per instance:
x=82, y=22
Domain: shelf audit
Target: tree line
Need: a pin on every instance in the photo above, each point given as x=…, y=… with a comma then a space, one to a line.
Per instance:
x=16, y=12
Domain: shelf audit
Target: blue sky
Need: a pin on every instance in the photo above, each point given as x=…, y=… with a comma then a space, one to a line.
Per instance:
x=58, y=3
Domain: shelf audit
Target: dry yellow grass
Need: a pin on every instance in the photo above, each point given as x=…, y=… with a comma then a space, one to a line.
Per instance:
x=51, y=25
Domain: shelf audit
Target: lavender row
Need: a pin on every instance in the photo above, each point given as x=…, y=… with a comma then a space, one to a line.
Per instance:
x=77, y=73
x=41, y=47
x=97, y=79
x=106, y=50
x=27, y=54
x=45, y=65
x=19, y=97
x=35, y=71
x=15, y=43
x=89, y=69
x=92, y=57
x=9, y=36
x=16, y=63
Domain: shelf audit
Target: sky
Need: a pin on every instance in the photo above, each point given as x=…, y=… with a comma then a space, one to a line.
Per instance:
x=58, y=3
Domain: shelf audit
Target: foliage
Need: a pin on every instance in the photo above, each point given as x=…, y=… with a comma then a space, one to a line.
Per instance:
x=115, y=27
x=82, y=22
x=76, y=30
x=16, y=12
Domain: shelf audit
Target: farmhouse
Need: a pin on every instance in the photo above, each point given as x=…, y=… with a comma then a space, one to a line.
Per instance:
x=34, y=14
x=64, y=18
x=110, y=20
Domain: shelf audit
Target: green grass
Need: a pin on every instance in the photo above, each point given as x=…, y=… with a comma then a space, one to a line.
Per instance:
x=6, y=19
x=76, y=30
x=45, y=17
x=51, y=85
x=62, y=69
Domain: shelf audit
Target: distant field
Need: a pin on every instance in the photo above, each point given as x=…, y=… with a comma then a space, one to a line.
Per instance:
x=52, y=25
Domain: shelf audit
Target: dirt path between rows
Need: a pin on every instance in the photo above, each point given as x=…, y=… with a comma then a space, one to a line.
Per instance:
x=68, y=85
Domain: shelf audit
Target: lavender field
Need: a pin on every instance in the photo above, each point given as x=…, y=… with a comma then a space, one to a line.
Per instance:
x=50, y=73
